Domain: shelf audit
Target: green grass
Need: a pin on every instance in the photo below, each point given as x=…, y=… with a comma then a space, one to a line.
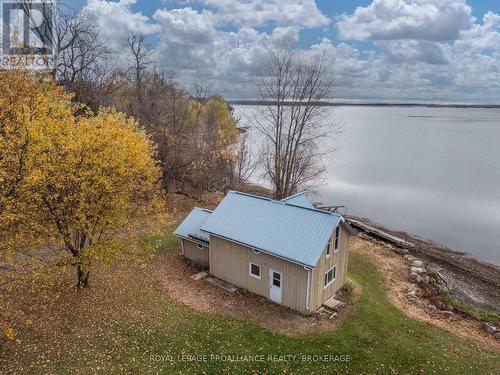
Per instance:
x=480, y=314
x=160, y=242
x=378, y=338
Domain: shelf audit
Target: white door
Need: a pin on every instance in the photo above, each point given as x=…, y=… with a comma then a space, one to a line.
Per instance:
x=275, y=285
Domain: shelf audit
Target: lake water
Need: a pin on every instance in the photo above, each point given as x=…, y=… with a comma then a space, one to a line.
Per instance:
x=433, y=172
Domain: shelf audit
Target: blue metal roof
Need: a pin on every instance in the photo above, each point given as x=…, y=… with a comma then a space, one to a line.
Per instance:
x=288, y=231
x=299, y=199
x=191, y=226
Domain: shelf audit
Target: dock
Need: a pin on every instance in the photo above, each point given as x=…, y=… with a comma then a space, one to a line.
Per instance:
x=370, y=230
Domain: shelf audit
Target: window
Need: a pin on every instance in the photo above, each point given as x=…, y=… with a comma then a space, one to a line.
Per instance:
x=200, y=246
x=254, y=270
x=277, y=279
x=329, y=248
x=330, y=276
x=337, y=238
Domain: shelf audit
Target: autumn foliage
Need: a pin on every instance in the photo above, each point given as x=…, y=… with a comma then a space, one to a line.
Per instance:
x=70, y=180
x=196, y=136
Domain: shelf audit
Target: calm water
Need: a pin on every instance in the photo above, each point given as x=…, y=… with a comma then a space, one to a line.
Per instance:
x=432, y=172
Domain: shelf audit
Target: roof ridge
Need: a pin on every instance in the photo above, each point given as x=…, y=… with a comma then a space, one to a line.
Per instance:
x=284, y=203
x=202, y=209
x=314, y=209
x=293, y=196
x=250, y=195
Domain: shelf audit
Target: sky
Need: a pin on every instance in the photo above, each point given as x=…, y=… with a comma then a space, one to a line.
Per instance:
x=382, y=50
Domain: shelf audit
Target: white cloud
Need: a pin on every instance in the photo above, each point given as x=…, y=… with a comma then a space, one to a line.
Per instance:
x=413, y=51
x=481, y=36
x=190, y=40
x=224, y=61
x=285, y=36
x=186, y=25
x=259, y=12
x=116, y=20
x=429, y=20
x=344, y=60
x=421, y=50
x=425, y=50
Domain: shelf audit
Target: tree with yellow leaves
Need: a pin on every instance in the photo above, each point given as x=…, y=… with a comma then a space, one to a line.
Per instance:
x=69, y=178
x=215, y=153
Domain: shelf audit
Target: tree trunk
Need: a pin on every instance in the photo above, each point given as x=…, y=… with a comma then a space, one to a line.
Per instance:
x=83, y=271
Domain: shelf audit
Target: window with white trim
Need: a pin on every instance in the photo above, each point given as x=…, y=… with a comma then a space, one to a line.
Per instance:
x=330, y=276
x=200, y=246
x=337, y=238
x=254, y=270
x=329, y=248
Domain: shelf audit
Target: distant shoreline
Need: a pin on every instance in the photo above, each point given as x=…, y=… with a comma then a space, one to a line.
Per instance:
x=375, y=104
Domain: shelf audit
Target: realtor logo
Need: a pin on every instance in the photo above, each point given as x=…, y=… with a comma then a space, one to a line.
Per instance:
x=28, y=34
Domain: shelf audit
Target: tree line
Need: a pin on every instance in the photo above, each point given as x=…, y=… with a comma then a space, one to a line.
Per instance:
x=197, y=137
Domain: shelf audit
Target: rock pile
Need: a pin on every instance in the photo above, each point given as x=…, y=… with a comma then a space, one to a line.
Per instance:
x=412, y=291
x=492, y=330
x=429, y=280
x=429, y=284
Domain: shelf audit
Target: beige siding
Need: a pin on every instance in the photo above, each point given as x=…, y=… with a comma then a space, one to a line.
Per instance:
x=229, y=261
x=195, y=254
x=340, y=258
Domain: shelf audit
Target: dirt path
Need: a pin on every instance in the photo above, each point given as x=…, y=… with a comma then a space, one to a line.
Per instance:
x=174, y=273
x=395, y=270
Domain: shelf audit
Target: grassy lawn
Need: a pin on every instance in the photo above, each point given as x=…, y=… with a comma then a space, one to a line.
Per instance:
x=126, y=318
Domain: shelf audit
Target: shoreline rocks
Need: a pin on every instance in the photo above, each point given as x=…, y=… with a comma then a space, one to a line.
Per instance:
x=489, y=328
x=410, y=258
x=446, y=314
x=416, y=270
x=427, y=285
x=412, y=292
x=417, y=263
x=415, y=277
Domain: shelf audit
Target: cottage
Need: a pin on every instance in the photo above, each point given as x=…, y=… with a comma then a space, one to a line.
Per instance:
x=287, y=251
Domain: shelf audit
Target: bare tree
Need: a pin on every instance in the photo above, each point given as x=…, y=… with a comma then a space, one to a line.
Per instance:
x=85, y=69
x=141, y=60
x=245, y=163
x=292, y=120
x=199, y=92
x=63, y=27
x=81, y=57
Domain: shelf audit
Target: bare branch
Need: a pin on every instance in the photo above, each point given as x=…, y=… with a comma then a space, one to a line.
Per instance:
x=292, y=119
x=141, y=55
